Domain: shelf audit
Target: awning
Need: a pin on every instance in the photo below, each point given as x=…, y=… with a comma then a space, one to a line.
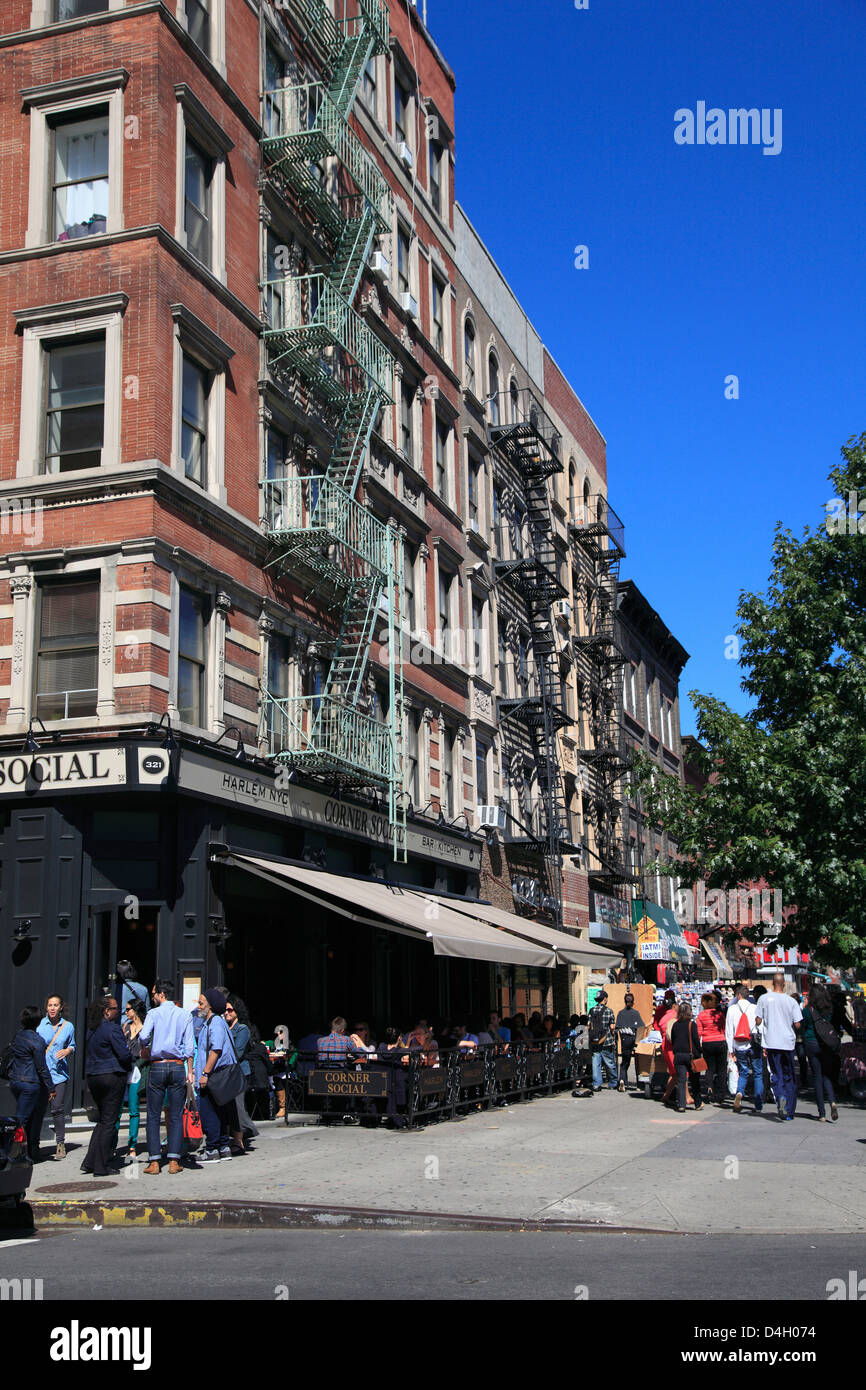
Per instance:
x=658, y=933
x=401, y=910
x=570, y=950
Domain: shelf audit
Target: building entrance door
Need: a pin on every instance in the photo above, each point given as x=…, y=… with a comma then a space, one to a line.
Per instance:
x=114, y=935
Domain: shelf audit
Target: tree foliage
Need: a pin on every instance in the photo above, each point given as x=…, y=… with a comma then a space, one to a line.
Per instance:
x=786, y=799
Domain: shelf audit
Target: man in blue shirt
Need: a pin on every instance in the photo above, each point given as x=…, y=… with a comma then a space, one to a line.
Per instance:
x=59, y=1036
x=215, y=1050
x=166, y=1040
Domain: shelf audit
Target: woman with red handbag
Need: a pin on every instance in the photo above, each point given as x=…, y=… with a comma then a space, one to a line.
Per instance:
x=686, y=1047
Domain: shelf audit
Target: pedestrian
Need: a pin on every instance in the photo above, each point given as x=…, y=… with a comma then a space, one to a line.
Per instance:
x=238, y=1021
x=602, y=1042
x=743, y=1041
x=131, y=1027
x=167, y=1043
x=628, y=1021
x=107, y=1064
x=59, y=1036
x=215, y=1053
x=30, y=1079
x=822, y=1046
x=665, y=1015
x=130, y=988
x=781, y=1019
x=686, y=1047
x=711, y=1031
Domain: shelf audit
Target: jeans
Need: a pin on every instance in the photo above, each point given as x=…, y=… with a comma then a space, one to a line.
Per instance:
x=214, y=1121
x=605, y=1058
x=685, y=1076
x=107, y=1089
x=627, y=1046
x=166, y=1085
x=30, y=1102
x=783, y=1076
x=818, y=1061
x=750, y=1065
x=716, y=1075
x=58, y=1112
x=132, y=1099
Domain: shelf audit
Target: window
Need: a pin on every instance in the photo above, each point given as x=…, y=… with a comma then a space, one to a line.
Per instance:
x=438, y=315
x=498, y=523
x=407, y=407
x=412, y=779
x=80, y=177
x=444, y=616
x=403, y=261
x=275, y=281
x=436, y=176
x=502, y=656
x=197, y=202
x=277, y=684
x=443, y=435
x=472, y=492
x=368, y=87
x=571, y=493
x=493, y=381
x=479, y=637
x=650, y=720
x=517, y=531
x=191, y=660
x=401, y=114
x=480, y=773
x=409, y=558
x=194, y=412
x=77, y=9
x=275, y=79
x=66, y=662
x=198, y=22
x=75, y=417
x=469, y=354
x=446, y=775
x=523, y=663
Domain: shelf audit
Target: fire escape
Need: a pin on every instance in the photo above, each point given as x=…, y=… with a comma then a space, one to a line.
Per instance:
x=527, y=445
x=601, y=535
x=322, y=535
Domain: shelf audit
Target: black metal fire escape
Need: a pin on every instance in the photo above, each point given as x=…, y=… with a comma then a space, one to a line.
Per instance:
x=527, y=444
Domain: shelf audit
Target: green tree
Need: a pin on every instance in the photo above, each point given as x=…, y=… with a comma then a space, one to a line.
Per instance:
x=786, y=795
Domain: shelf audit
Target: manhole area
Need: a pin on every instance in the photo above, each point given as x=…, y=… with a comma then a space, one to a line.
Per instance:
x=77, y=1187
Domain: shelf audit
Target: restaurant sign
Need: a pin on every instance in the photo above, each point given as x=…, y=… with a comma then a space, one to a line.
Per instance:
x=334, y=1081
x=62, y=769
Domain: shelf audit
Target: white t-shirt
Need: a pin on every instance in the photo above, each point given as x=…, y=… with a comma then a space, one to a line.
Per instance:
x=778, y=1014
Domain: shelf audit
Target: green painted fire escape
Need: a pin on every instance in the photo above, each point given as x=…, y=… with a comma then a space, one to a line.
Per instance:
x=322, y=534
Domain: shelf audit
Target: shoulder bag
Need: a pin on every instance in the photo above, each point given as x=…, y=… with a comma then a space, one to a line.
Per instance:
x=698, y=1063
x=224, y=1083
x=825, y=1032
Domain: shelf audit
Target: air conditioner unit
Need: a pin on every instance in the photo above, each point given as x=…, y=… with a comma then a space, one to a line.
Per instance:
x=492, y=816
x=404, y=154
x=409, y=304
x=380, y=265
x=563, y=608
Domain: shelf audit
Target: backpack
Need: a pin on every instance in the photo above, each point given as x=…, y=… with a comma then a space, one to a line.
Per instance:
x=743, y=1032
x=598, y=1029
x=826, y=1033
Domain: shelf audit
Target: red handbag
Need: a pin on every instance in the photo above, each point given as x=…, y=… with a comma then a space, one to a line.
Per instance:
x=192, y=1128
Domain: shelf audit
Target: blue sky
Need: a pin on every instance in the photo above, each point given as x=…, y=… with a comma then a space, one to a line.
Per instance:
x=704, y=261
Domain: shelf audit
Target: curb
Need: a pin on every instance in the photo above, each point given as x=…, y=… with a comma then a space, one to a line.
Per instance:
x=288, y=1216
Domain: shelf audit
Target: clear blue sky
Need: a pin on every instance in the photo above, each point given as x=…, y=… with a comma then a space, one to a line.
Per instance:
x=703, y=262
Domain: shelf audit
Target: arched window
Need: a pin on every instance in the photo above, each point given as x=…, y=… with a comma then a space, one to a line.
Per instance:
x=515, y=402
x=571, y=497
x=584, y=520
x=469, y=354
x=493, y=388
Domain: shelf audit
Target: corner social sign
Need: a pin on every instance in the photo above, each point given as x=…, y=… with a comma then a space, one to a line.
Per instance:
x=63, y=768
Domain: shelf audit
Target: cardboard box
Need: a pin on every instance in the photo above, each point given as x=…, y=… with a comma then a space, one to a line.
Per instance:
x=648, y=1059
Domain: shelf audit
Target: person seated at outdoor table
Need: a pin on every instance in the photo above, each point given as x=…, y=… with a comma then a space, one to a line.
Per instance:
x=360, y=1037
x=498, y=1028
x=336, y=1049
x=464, y=1041
x=536, y=1025
x=550, y=1026
x=519, y=1029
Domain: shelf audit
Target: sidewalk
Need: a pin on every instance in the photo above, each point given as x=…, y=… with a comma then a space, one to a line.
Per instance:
x=614, y=1161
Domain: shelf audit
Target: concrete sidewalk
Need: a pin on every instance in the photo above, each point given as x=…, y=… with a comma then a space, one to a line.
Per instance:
x=617, y=1161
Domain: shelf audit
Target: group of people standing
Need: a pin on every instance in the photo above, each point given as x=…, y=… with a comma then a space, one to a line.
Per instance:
x=199, y=1060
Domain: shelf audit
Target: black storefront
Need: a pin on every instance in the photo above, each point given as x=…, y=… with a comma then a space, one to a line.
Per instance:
x=112, y=850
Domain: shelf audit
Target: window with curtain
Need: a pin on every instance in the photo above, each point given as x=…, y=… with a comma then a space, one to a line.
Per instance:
x=276, y=77
x=411, y=775
x=443, y=435
x=446, y=759
x=515, y=402
x=436, y=175
x=80, y=181
x=403, y=261
x=409, y=610
x=368, y=86
x=479, y=637
x=198, y=174
x=193, y=618
x=277, y=682
x=75, y=416
x=275, y=277
x=469, y=354
x=401, y=114
x=438, y=315
x=444, y=615
x=407, y=407
x=67, y=656
x=194, y=409
x=481, y=798
x=472, y=492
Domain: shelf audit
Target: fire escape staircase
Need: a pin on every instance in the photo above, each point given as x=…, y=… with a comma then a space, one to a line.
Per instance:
x=322, y=535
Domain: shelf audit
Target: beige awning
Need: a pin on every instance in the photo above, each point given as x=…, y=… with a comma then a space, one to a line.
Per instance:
x=402, y=910
x=570, y=950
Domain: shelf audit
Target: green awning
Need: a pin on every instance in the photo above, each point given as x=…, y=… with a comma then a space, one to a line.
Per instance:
x=658, y=933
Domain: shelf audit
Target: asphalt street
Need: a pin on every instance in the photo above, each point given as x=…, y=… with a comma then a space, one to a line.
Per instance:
x=119, y=1265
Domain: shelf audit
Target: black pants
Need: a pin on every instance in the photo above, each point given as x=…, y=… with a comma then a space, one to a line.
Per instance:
x=716, y=1075
x=685, y=1076
x=30, y=1103
x=627, y=1046
x=821, y=1060
x=107, y=1090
